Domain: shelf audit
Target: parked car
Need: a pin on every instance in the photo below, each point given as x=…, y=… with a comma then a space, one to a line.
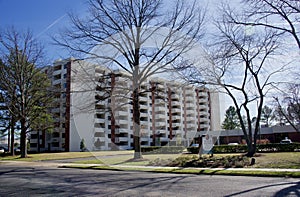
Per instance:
x=17, y=150
x=233, y=144
x=286, y=141
x=5, y=149
x=195, y=145
x=2, y=150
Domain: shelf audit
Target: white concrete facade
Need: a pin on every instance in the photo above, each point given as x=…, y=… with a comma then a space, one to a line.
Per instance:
x=95, y=105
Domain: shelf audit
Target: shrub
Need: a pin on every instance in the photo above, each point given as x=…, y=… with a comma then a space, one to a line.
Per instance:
x=243, y=148
x=211, y=162
x=162, y=149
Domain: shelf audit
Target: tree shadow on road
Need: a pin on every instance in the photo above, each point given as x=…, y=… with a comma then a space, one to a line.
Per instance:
x=293, y=189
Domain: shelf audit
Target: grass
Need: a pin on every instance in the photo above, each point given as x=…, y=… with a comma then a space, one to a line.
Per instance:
x=63, y=155
x=197, y=171
x=107, y=158
x=263, y=160
x=278, y=160
x=48, y=156
x=127, y=160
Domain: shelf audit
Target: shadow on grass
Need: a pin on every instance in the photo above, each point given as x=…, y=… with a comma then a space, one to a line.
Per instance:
x=132, y=160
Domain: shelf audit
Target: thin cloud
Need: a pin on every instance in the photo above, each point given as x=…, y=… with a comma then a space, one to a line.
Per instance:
x=51, y=25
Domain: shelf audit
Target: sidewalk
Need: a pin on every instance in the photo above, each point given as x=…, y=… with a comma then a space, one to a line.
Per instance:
x=61, y=165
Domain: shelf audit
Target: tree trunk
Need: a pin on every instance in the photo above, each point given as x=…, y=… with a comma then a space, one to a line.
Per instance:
x=136, y=124
x=12, y=136
x=23, y=140
x=251, y=150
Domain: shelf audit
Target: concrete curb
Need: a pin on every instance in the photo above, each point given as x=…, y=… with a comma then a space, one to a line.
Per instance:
x=61, y=165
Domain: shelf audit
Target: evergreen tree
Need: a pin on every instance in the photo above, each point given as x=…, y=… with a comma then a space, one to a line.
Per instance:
x=231, y=120
x=24, y=88
x=267, y=115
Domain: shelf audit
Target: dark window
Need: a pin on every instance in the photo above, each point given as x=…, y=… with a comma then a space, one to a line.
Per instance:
x=55, y=144
x=55, y=134
x=33, y=145
x=33, y=136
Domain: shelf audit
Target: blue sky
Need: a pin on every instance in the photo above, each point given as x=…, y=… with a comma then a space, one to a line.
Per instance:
x=45, y=18
x=42, y=17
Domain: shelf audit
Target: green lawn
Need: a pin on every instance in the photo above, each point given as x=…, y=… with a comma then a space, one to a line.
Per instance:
x=278, y=160
x=63, y=155
x=263, y=160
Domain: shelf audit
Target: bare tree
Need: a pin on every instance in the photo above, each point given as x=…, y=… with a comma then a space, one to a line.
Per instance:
x=288, y=108
x=241, y=68
x=23, y=86
x=142, y=38
x=281, y=15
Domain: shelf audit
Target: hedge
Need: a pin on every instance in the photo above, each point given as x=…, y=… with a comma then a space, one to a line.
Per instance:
x=162, y=149
x=243, y=148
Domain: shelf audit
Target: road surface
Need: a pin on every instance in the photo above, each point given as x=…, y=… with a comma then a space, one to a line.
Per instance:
x=34, y=180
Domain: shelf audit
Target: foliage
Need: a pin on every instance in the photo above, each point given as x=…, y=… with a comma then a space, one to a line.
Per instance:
x=267, y=115
x=82, y=145
x=24, y=87
x=236, y=161
x=241, y=148
x=231, y=120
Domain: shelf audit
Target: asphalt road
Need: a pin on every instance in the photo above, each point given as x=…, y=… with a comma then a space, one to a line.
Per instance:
x=52, y=181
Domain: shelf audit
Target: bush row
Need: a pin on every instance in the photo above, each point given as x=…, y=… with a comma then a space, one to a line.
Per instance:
x=236, y=161
x=243, y=148
x=162, y=149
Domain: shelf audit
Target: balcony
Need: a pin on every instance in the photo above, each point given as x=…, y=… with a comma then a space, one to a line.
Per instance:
x=123, y=122
x=121, y=113
x=122, y=139
x=175, y=96
x=191, y=126
x=190, y=119
x=145, y=107
x=159, y=125
x=145, y=139
x=203, y=106
x=176, y=124
x=176, y=110
x=204, y=125
x=119, y=131
x=160, y=102
x=57, y=72
x=100, y=130
x=144, y=124
x=203, y=113
x=188, y=99
x=35, y=141
x=160, y=116
x=203, y=94
x=176, y=117
x=143, y=98
x=202, y=100
x=160, y=109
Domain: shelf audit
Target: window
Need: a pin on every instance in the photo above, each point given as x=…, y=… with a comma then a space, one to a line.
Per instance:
x=33, y=145
x=55, y=144
x=33, y=136
x=55, y=134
